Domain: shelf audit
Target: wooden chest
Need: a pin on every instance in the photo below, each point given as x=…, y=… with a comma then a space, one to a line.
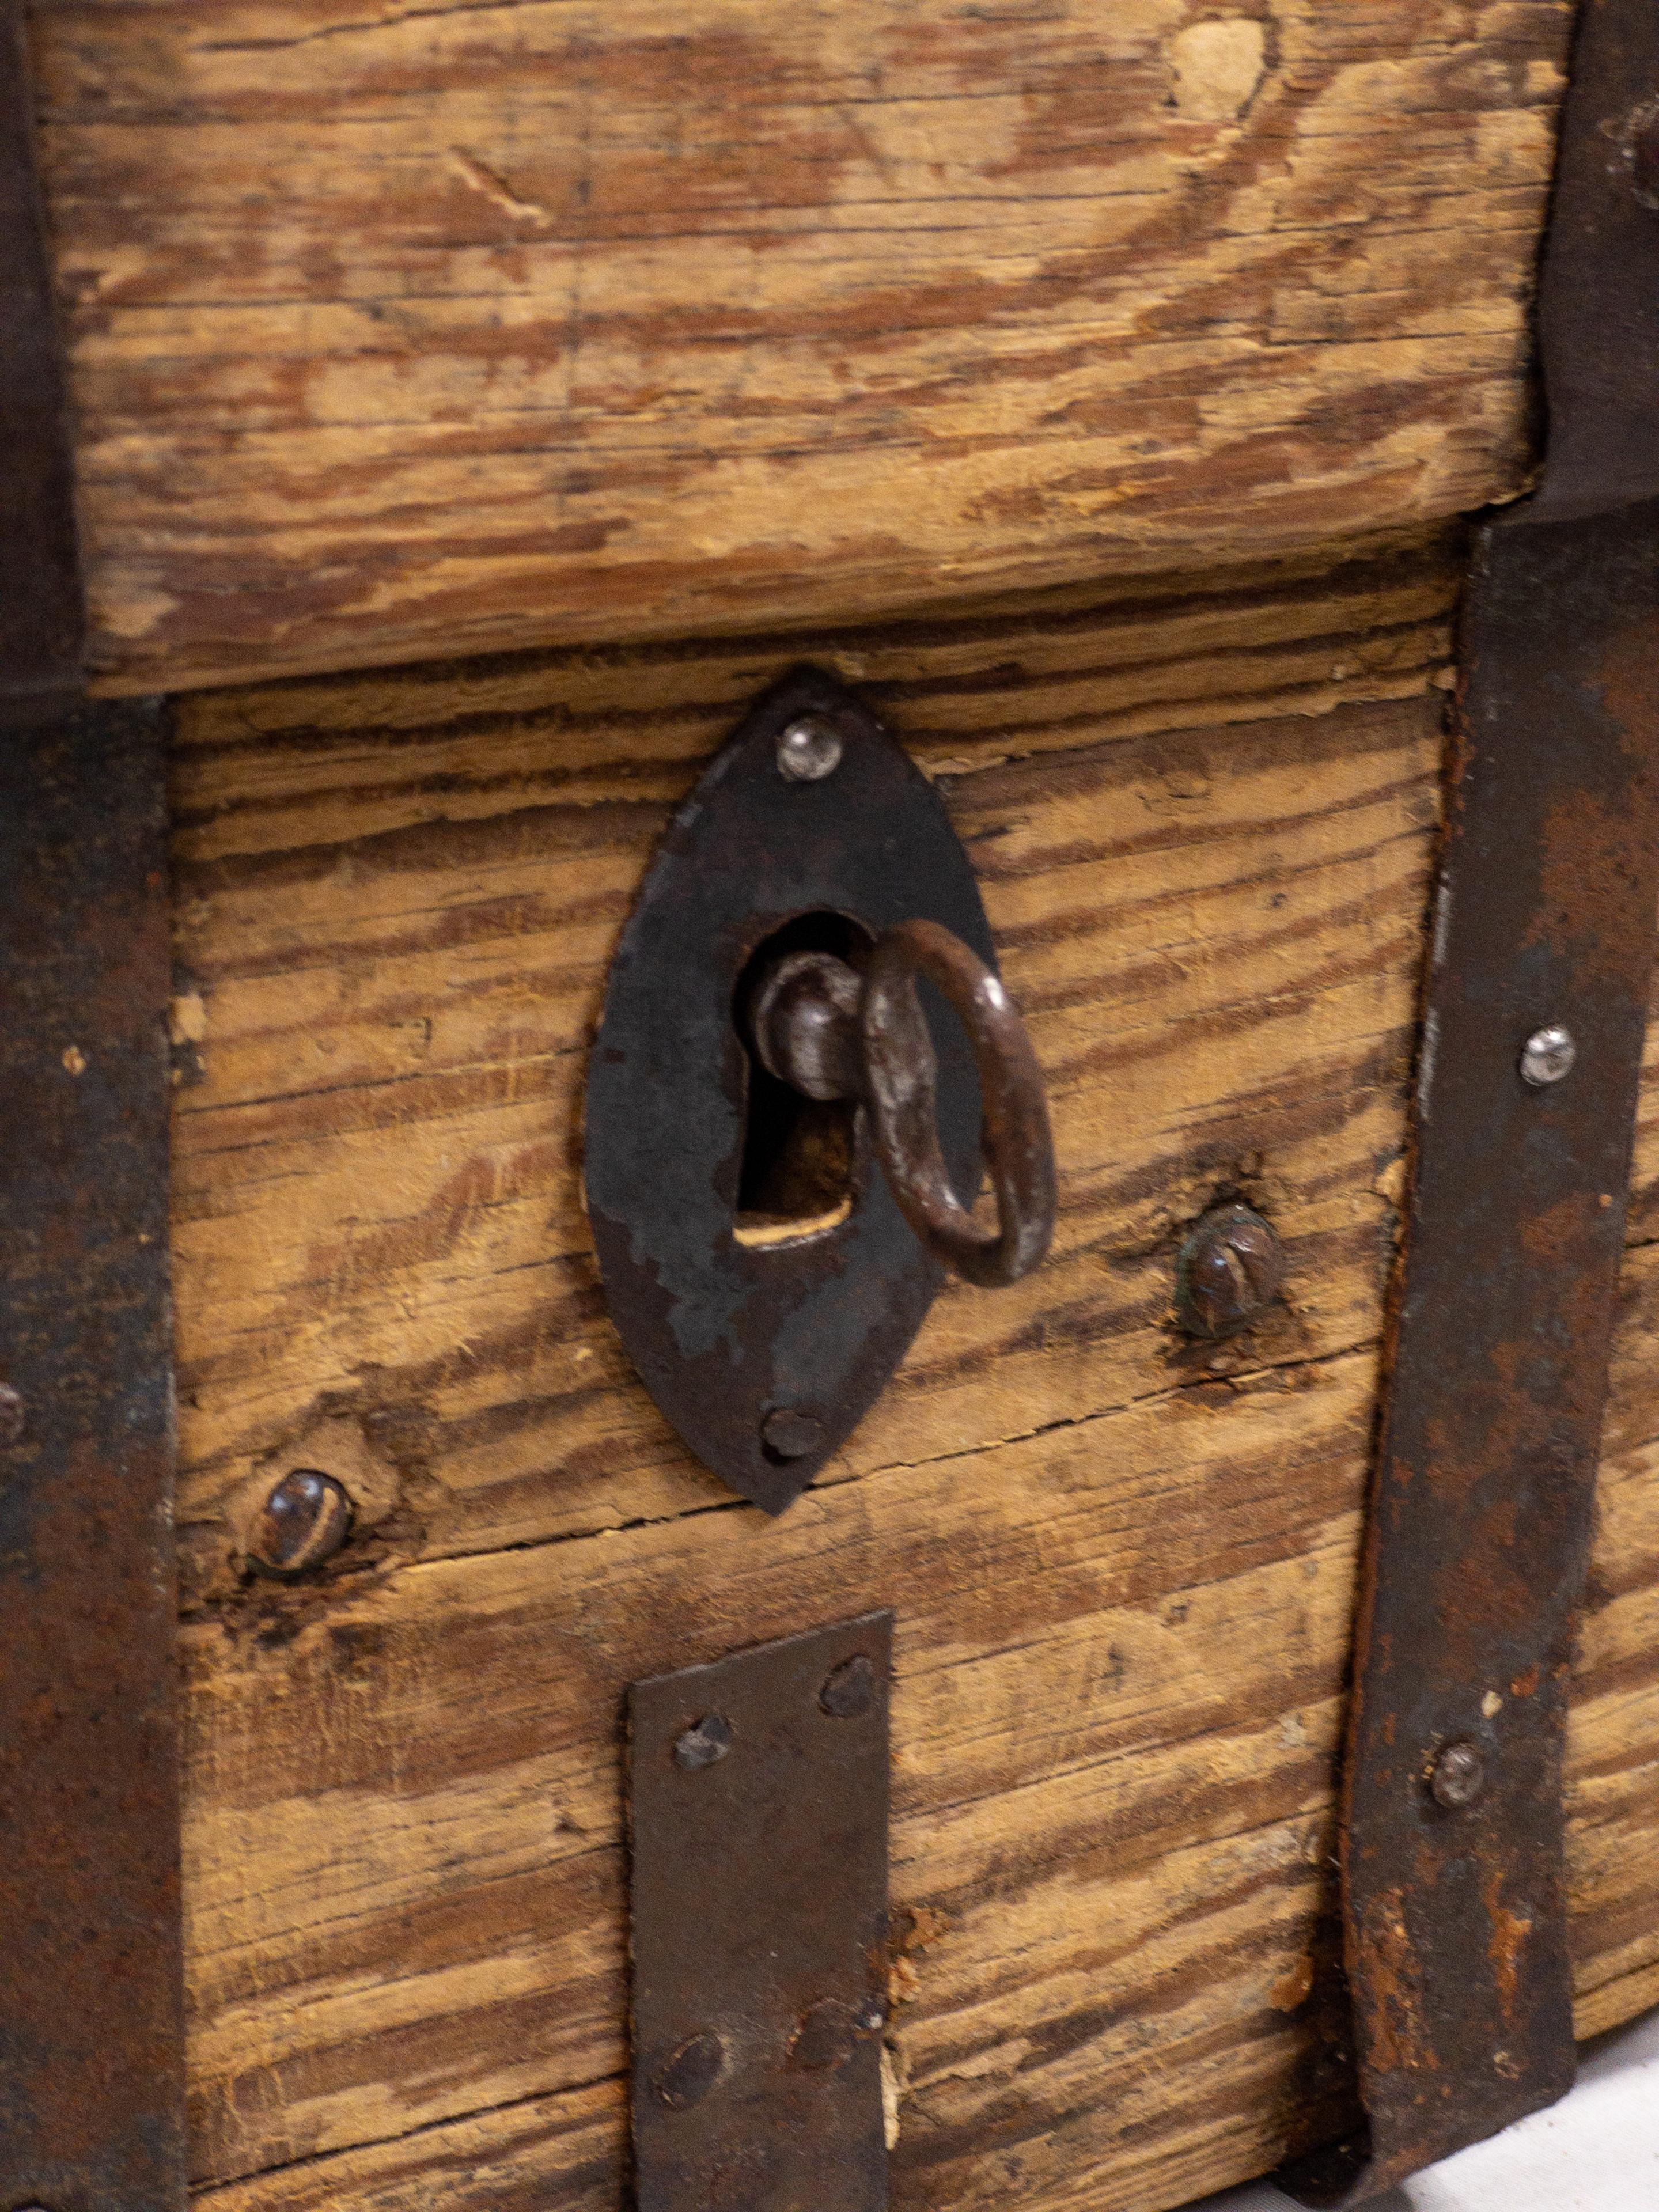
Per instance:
x=476, y=411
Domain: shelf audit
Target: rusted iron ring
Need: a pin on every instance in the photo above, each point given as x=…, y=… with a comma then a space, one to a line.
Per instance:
x=899, y=1077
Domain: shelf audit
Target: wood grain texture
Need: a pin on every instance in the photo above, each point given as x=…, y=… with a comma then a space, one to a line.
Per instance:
x=1122, y=1567
x=403, y=330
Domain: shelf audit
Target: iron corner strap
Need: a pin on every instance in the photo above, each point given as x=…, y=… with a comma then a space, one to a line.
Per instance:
x=91, y=1983
x=1455, y=1942
x=1452, y=1821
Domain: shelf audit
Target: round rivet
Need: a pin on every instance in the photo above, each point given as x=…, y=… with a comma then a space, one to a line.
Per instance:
x=809, y=750
x=703, y=1743
x=825, y=2037
x=849, y=1690
x=1642, y=145
x=11, y=1428
x=789, y=1434
x=306, y=1519
x=1457, y=1777
x=687, y=2076
x=1228, y=1273
x=1547, y=1056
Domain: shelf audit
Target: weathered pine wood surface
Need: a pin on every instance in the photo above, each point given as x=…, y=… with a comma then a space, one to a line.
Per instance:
x=403, y=330
x=1123, y=1566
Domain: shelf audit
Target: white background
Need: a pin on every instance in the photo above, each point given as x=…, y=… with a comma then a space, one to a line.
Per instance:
x=1596, y=2151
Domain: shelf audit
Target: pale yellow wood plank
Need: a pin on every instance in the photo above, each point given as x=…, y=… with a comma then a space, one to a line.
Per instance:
x=1122, y=1568
x=401, y=330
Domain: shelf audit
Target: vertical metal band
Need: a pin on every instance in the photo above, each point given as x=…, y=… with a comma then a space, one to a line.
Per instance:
x=1452, y=1848
x=91, y=2039
x=91, y=2017
x=1456, y=1919
x=1598, y=300
x=41, y=616
x=757, y=1814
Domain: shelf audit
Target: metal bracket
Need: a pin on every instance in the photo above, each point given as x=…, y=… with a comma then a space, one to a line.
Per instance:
x=758, y=1806
x=91, y=2027
x=1537, y=1000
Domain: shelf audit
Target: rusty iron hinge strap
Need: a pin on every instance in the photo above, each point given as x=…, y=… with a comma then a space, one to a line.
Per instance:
x=1455, y=1909
x=91, y=2028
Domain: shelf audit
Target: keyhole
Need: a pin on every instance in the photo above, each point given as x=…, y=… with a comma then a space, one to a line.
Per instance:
x=800, y=1156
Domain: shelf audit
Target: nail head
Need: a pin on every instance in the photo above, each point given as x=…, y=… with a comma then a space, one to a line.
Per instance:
x=825, y=2037
x=849, y=1690
x=1642, y=147
x=304, y=1521
x=1547, y=1056
x=1457, y=1777
x=703, y=1743
x=688, y=2075
x=809, y=750
x=1228, y=1273
x=787, y=1433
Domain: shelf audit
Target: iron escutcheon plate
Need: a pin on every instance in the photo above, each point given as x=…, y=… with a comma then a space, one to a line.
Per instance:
x=726, y=1334
x=91, y=2024
x=758, y=1808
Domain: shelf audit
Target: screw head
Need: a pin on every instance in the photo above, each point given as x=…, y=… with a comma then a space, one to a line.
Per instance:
x=1458, y=1776
x=849, y=1690
x=787, y=1433
x=306, y=1519
x=1547, y=1056
x=687, y=2075
x=1228, y=1273
x=704, y=1743
x=11, y=1415
x=809, y=750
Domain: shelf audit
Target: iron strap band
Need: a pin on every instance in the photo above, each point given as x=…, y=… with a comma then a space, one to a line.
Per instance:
x=758, y=1792
x=91, y=2029
x=1454, y=1902
x=41, y=615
